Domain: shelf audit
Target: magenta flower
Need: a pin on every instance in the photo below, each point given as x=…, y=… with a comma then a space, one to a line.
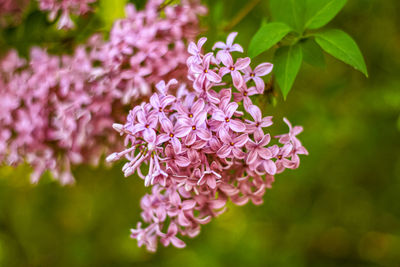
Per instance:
x=261, y=70
x=244, y=95
x=194, y=127
x=257, y=150
x=205, y=152
x=171, y=134
x=170, y=237
x=204, y=72
x=210, y=176
x=233, y=68
x=160, y=104
x=193, y=110
x=259, y=122
x=291, y=136
x=145, y=125
x=179, y=208
x=232, y=145
x=195, y=52
x=66, y=7
x=224, y=116
x=281, y=154
x=57, y=110
x=229, y=46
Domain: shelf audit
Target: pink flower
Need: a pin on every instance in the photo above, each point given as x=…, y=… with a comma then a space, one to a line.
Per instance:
x=170, y=237
x=232, y=145
x=210, y=175
x=224, y=116
x=233, y=68
x=257, y=149
x=195, y=52
x=229, y=46
x=205, y=152
x=204, y=72
x=57, y=110
x=244, y=95
x=171, y=134
x=194, y=127
x=261, y=70
x=259, y=121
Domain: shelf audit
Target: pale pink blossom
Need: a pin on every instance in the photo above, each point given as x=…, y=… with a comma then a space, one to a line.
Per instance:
x=206, y=153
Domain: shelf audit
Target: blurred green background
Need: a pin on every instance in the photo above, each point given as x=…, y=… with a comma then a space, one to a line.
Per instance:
x=341, y=207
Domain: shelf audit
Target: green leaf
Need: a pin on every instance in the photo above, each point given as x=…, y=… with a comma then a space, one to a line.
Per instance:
x=312, y=53
x=291, y=12
x=320, y=12
x=340, y=45
x=287, y=64
x=267, y=36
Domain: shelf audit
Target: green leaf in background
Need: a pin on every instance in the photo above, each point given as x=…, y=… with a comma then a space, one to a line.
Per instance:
x=110, y=10
x=320, y=12
x=267, y=36
x=312, y=53
x=291, y=12
x=340, y=45
x=287, y=62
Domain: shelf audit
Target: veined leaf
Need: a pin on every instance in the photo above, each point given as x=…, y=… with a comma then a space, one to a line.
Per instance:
x=320, y=12
x=312, y=53
x=291, y=12
x=267, y=36
x=287, y=62
x=340, y=45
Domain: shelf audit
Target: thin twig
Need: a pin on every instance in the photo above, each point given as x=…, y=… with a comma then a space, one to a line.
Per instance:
x=242, y=13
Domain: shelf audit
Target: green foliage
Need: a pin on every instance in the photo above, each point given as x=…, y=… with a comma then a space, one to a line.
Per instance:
x=287, y=65
x=340, y=45
x=320, y=12
x=110, y=10
x=340, y=208
x=267, y=36
x=301, y=18
x=312, y=53
x=290, y=12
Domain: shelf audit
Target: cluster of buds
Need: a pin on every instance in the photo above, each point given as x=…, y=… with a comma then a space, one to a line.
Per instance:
x=201, y=145
x=56, y=111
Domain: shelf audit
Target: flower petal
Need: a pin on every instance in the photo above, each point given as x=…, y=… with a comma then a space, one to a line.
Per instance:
x=226, y=59
x=166, y=125
x=224, y=151
x=269, y=166
x=237, y=78
x=242, y=63
x=241, y=140
x=260, y=84
x=231, y=37
x=176, y=144
x=263, y=69
x=203, y=134
x=230, y=109
x=237, y=125
x=213, y=77
x=218, y=115
x=255, y=112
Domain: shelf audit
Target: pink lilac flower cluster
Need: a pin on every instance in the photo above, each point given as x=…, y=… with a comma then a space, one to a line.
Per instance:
x=66, y=8
x=199, y=146
x=57, y=111
x=11, y=9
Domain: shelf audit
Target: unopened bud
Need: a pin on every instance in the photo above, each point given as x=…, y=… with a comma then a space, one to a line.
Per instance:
x=112, y=157
x=118, y=127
